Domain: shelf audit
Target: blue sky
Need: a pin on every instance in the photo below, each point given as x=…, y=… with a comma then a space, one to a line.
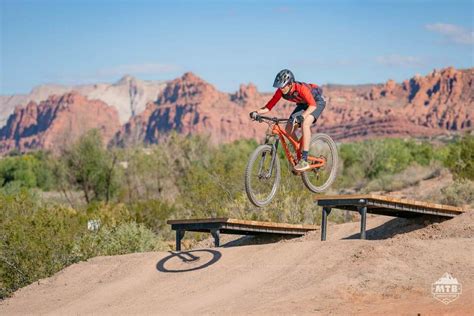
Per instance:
x=230, y=42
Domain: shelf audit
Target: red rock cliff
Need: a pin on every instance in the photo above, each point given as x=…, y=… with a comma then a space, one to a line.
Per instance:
x=57, y=121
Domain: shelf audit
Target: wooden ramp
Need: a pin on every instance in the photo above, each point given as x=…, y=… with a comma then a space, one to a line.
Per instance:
x=363, y=204
x=215, y=226
x=382, y=205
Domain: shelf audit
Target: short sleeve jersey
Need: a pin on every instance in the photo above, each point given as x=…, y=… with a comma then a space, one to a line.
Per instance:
x=300, y=93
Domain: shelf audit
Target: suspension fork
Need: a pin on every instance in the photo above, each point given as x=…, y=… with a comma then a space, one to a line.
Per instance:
x=274, y=155
x=272, y=163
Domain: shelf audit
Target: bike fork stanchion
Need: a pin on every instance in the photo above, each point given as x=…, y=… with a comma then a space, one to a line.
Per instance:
x=363, y=220
x=324, y=222
x=216, y=234
x=179, y=237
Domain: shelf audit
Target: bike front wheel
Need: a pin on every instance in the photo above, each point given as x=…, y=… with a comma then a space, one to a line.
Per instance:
x=320, y=179
x=262, y=175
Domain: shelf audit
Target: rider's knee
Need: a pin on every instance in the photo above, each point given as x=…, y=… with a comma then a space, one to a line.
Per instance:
x=308, y=121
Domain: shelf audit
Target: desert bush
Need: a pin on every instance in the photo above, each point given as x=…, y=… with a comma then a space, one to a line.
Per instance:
x=460, y=159
x=154, y=172
x=36, y=240
x=122, y=239
x=27, y=171
x=458, y=193
x=153, y=214
x=373, y=162
x=211, y=185
x=111, y=214
x=412, y=175
x=377, y=157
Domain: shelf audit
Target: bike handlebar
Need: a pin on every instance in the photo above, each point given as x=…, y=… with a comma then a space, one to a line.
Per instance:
x=273, y=119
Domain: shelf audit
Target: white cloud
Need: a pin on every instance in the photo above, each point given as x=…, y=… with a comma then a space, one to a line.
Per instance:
x=399, y=61
x=452, y=33
x=137, y=69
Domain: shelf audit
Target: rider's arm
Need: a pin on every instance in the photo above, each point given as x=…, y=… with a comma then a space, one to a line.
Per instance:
x=276, y=97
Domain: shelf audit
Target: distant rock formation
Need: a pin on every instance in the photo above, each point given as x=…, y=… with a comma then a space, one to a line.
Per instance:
x=422, y=106
x=56, y=122
x=441, y=102
x=129, y=96
x=190, y=105
x=443, y=99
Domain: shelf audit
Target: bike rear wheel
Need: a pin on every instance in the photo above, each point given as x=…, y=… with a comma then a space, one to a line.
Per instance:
x=262, y=177
x=320, y=179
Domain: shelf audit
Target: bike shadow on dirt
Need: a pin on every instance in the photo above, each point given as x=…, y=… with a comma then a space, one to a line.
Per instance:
x=398, y=226
x=187, y=261
x=197, y=259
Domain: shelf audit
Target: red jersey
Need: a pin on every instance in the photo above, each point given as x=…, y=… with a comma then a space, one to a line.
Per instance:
x=299, y=93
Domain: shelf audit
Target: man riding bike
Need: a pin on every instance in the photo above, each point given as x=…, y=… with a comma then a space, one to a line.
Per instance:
x=309, y=106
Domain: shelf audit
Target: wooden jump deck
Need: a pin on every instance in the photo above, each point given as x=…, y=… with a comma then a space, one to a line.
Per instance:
x=363, y=204
x=215, y=226
x=382, y=205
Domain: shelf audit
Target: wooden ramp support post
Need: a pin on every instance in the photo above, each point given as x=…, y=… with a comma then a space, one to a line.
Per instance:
x=180, y=234
x=179, y=237
x=324, y=222
x=216, y=234
x=363, y=220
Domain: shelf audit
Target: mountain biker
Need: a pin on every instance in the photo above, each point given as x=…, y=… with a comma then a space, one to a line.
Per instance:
x=309, y=106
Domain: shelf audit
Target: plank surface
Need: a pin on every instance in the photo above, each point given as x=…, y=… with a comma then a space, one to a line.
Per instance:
x=381, y=198
x=243, y=223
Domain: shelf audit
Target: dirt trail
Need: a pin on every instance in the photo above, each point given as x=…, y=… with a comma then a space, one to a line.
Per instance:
x=391, y=274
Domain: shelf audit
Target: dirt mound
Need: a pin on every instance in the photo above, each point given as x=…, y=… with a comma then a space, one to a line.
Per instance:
x=299, y=276
x=461, y=226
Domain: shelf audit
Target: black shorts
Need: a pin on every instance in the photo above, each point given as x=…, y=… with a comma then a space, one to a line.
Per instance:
x=300, y=108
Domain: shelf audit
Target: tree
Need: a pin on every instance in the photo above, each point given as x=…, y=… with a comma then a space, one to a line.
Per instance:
x=91, y=168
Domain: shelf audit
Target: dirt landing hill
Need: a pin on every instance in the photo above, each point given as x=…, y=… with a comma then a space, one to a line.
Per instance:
x=390, y=274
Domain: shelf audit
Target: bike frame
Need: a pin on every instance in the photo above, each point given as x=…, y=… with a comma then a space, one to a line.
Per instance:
x=315, y=162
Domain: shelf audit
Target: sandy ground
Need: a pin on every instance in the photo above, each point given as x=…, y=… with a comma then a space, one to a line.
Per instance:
x=390, y=274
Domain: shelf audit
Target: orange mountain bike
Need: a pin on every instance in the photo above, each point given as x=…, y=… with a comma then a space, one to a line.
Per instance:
x=263, y=174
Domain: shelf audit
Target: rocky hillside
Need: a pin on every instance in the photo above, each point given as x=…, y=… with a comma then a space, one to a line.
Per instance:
x=129, y=96
x=190, y=105
x=55, y=122
x=439, y=103
x=422, y=106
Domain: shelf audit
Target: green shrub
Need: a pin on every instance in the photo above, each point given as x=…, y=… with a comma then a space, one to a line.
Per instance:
x=411, y=176
x=112, y=214
x=36, y=240
x=122, y=239
x=460, y=159
x=375, y=160
x=459, y=193
x=153, y=214
x=210, y=186
x=27, y=171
